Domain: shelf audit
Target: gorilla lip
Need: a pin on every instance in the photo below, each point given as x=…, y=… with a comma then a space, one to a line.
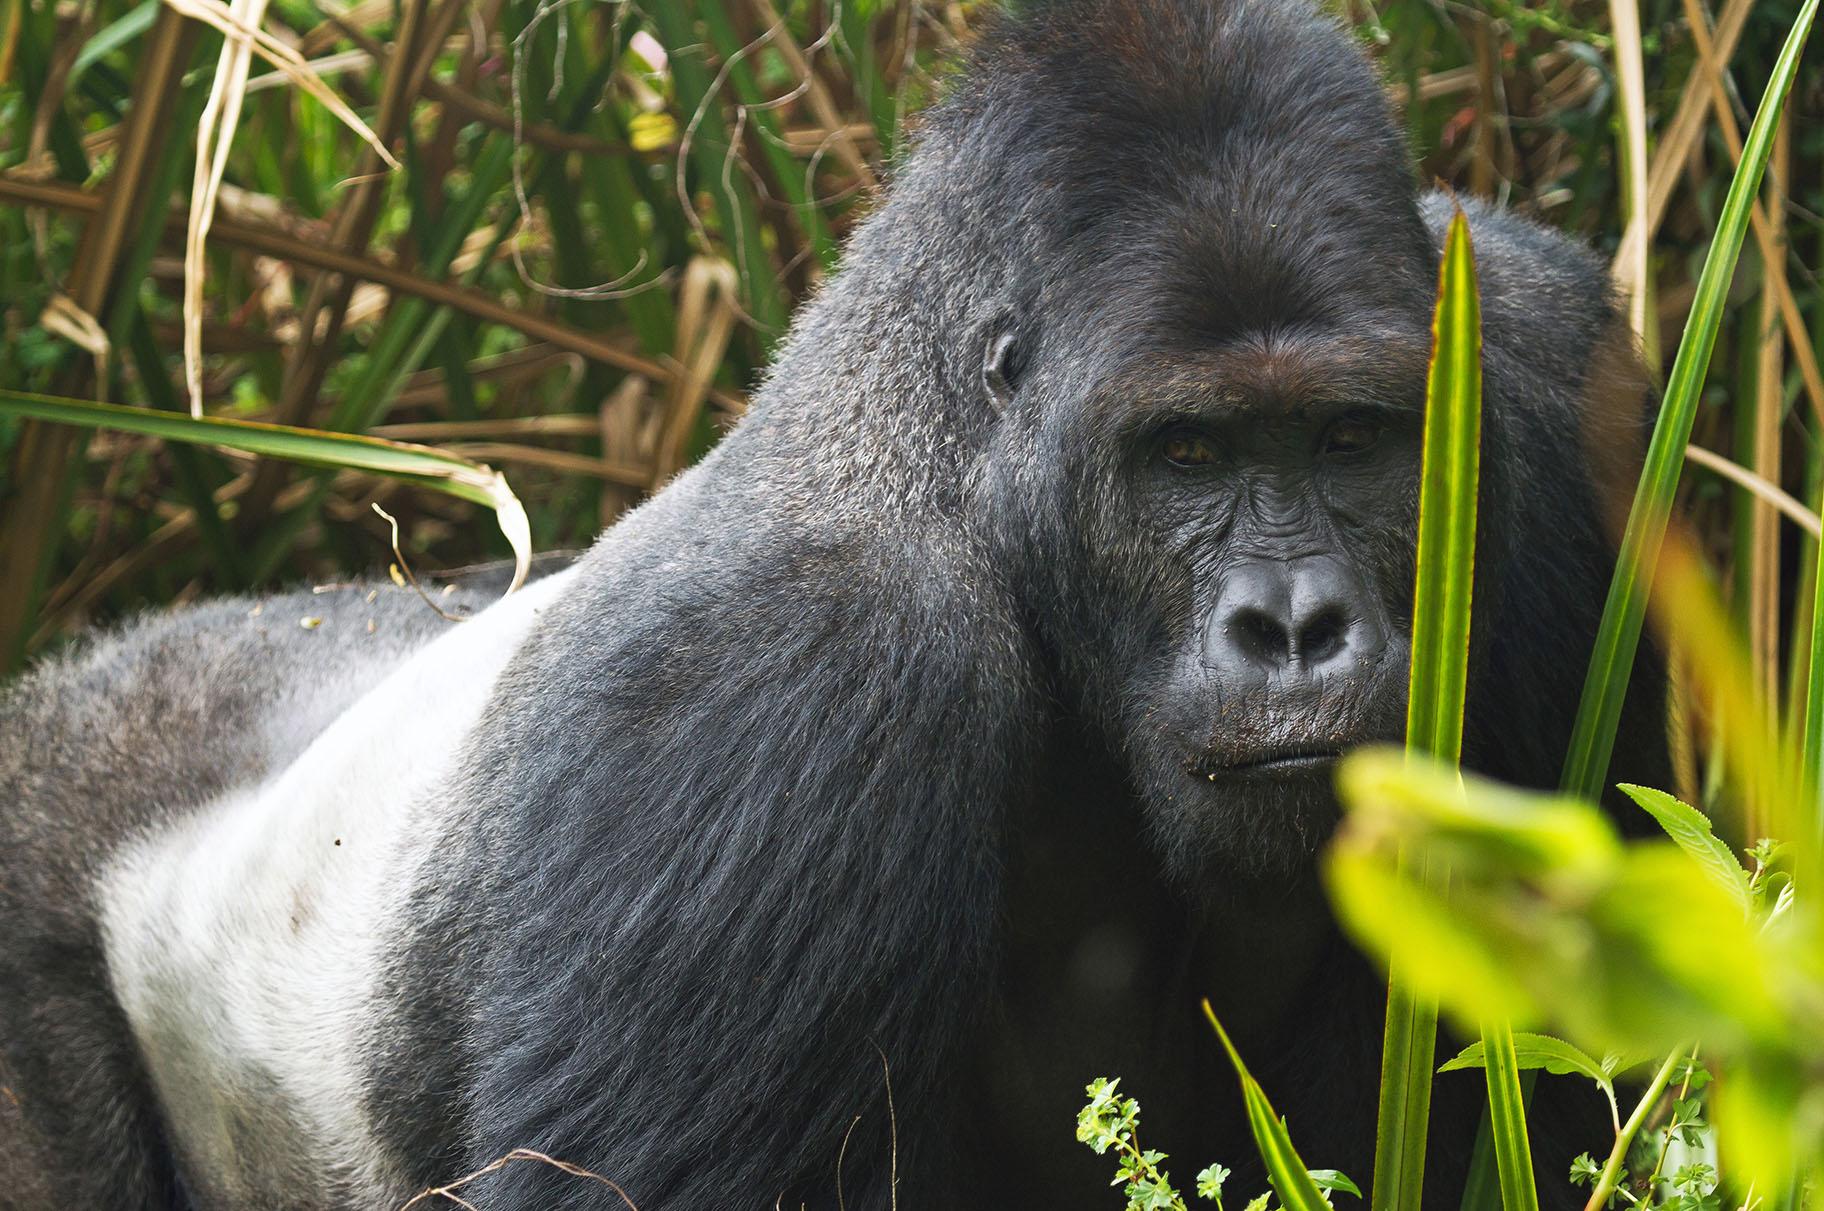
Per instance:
x=1268, y=761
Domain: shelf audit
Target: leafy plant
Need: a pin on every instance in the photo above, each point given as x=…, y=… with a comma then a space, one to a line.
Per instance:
x=1109, y=1120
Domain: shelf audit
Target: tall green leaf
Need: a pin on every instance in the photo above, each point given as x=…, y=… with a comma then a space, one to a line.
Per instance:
x=1295, y=1185
x=1507, y=1118
x=1440, y=666
x=1447, y=507
x=1617, y=638
x=1811, y=721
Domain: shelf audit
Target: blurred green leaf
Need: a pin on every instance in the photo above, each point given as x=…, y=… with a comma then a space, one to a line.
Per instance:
x=1625, y=949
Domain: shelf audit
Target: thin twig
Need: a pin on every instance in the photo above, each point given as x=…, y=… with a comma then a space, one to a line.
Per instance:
x=518, y=1154
x=406, y=568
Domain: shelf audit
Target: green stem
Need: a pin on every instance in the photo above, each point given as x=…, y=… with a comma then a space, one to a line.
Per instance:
x=1624, y=1139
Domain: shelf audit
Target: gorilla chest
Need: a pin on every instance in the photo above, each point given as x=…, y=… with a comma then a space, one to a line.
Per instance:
x=1102, y=975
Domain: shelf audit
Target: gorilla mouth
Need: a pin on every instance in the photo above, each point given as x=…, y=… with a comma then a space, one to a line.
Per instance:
x=1268, y=762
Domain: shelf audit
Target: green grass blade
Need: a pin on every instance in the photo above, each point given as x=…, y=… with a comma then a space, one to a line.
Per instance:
x=1811, y=736
x=1408, y=1048
x=418, y=465
x=1507, y=1118
x=1440, y=668
x=1447, y=508
x=1286, y=1172
x=1605, y=685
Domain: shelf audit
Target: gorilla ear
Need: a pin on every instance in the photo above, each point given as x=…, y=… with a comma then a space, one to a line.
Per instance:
x=1003, y=364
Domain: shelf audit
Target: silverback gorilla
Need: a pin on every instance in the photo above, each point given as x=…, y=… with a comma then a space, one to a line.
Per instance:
x=928, y=750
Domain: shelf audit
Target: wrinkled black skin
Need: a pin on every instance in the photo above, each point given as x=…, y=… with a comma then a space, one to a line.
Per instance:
x=882, y=742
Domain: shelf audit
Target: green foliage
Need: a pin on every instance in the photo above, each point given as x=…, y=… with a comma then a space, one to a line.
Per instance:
x=1627, y=949
x=1109, y=1120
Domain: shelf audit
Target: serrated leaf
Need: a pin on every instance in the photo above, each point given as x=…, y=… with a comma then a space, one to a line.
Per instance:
x=1536, y=1051
x=1333, y=1179
x=1690, y=829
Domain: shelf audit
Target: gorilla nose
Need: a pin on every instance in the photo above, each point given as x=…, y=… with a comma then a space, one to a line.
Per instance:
x=1296, y=619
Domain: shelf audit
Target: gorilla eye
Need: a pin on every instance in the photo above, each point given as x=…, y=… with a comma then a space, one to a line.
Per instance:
x=1352, y=434
x=1187, y=448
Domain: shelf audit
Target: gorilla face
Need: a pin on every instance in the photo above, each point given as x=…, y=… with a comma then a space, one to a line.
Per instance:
x=1238, y=521
x=1280, y=513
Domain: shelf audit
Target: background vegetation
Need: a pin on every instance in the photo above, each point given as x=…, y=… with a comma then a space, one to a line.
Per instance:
x=605, y=214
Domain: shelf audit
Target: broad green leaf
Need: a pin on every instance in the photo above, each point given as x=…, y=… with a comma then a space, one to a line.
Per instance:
x=1536, y=1051
x=1691, y=830
x=1294, y=1183
x=1618, y=635
x=1380, y=907
x=396, y=460
x=1333, y=1179
x=1625, y=949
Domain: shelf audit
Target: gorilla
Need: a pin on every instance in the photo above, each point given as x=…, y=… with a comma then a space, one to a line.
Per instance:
x=928, y=750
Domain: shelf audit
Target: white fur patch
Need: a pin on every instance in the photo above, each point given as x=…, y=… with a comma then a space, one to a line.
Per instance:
x=245, y=941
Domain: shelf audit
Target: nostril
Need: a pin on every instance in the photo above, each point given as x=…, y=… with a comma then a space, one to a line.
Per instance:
x=1323, y=637
x=1260, y=636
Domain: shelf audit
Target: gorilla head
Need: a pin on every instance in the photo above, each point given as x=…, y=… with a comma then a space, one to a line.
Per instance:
x=1210, y=369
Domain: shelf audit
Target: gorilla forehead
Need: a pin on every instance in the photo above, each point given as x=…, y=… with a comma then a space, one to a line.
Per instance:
x=1265, y=372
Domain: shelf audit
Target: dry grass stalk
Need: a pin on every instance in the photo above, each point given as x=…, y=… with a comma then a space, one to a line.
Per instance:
x=314, y=254
x=1789, y=505
x=707, y=313
x=1769, y=416
x=822, y=107
x=1632, y=267
x=1680, y=139
x=239, y=22
x=1767, y=236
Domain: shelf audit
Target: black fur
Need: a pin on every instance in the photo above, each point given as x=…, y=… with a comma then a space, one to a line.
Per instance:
x=858, y=758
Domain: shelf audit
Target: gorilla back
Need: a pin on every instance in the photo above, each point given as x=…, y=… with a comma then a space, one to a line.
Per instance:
x=764, y=857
